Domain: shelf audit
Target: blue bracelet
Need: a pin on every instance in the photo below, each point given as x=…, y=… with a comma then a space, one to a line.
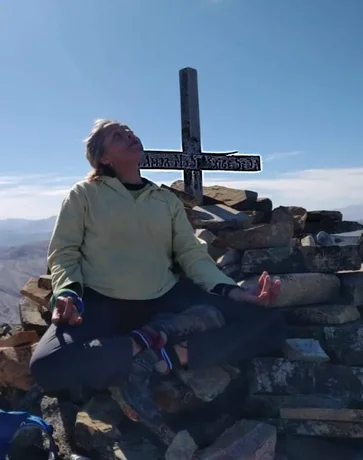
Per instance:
x=78, y=302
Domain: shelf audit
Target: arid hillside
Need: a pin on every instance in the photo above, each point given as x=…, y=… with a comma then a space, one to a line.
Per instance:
x=17, y=264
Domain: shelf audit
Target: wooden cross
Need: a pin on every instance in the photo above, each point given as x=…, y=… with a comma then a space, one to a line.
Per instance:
x=191, y=159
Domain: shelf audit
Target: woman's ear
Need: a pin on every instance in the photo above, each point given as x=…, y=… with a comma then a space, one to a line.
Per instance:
x=105, y=161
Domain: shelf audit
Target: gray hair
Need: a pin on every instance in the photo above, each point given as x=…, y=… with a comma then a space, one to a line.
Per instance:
x=95, y=141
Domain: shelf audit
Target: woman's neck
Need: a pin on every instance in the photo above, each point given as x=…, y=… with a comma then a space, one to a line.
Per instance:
x=129, y=177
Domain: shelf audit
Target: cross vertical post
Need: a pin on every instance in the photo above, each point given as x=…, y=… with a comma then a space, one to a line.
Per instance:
x=190, y=129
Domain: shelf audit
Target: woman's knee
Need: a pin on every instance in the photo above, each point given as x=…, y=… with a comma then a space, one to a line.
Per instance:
x=41, y=367
x=48, y=366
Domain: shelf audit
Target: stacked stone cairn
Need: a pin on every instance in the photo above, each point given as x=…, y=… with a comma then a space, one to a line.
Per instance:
x=304, y=402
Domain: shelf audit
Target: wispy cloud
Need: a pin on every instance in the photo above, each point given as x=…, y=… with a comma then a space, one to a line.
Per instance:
x=41, y=196
x=33, y=196
x=328, y=188
x=279, y=155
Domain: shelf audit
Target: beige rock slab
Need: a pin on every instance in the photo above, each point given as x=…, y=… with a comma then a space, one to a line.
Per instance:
x=33, y=292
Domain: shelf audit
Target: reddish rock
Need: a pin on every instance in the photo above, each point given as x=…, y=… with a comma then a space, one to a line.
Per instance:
x=14, y=366
x=31, y=318
x=19, y=338
x=33, y=292
x=45, y=282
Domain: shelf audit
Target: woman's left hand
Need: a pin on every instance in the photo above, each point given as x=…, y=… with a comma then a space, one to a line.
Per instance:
x=263, y=294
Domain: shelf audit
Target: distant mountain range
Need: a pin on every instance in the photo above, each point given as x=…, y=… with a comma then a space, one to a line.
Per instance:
x=23, y=231
x=353, y=212
x=17, y=265
x=20, y=231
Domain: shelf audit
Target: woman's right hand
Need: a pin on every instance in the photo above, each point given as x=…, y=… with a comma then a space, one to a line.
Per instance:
x=65, y=312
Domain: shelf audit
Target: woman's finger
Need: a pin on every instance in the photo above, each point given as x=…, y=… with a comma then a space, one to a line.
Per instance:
x=75, y=318
x=67, y=314
x=266, y=286
x=56, y=316
x=275, y=290
x=261, y=279
x=60, y=304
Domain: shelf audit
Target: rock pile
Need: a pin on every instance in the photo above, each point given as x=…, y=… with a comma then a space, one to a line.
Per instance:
x=307, y=397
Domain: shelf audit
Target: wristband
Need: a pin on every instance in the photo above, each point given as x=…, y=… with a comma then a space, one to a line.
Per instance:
x=77, y=300
x=224, y=289
x=227, y=288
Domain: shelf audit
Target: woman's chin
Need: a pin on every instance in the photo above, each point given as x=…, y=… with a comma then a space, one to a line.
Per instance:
x=136, y=150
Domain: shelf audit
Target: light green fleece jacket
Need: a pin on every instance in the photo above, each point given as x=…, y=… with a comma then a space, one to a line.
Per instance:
x=124, y=247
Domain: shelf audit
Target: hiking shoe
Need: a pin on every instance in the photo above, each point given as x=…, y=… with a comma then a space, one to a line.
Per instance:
x=136, y=394
x=137, y=401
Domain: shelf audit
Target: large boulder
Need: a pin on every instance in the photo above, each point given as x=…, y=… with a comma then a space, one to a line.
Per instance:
x=320, y=216
x=15, y=354
x=218, y=217
x=352, y=287
x=345, y=343
x=330, y=259
x=331, y=226
x=324, y=314
x=31, y=318
x=280, y=376
x=262, y=236
x=221, y=194
x=241, y=200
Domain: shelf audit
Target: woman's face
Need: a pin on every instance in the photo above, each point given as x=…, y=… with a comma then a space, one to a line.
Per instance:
x=121, y=146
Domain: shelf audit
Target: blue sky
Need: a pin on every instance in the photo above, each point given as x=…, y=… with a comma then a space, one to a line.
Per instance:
x=282, y=78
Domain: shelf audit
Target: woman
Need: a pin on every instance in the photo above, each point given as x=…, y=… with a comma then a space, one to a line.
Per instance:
x=119, y=311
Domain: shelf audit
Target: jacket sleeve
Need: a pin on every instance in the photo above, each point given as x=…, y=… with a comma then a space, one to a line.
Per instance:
x=64, y=254
x=191, y=255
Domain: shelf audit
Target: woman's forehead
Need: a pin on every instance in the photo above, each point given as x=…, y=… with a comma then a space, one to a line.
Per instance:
x=114, y=126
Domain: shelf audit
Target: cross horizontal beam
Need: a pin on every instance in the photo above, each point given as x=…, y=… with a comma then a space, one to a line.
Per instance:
x=174, y=160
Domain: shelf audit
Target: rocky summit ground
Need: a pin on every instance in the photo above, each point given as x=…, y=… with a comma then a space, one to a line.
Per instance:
x=303, y=402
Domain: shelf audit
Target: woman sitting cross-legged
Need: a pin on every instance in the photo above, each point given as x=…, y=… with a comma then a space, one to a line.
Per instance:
x=120, y=314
